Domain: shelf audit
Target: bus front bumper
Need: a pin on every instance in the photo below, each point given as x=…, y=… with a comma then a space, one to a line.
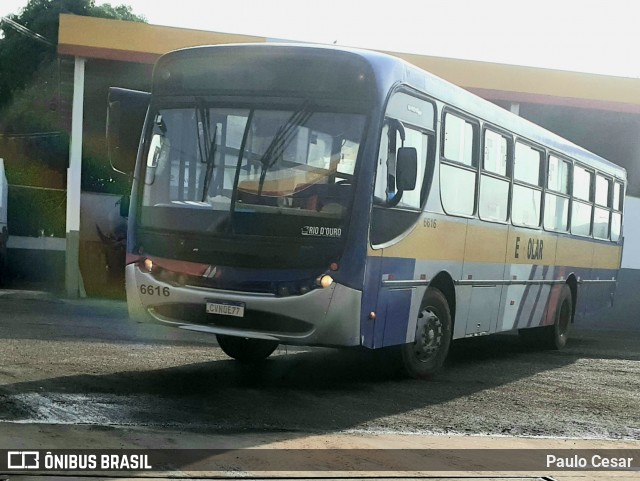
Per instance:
x=322, y=317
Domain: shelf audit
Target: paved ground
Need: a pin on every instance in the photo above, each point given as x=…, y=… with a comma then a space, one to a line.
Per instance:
x=78, y=374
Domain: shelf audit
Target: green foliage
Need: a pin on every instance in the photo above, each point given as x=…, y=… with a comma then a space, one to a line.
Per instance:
x=97, y=174
x=37, y=212
x=21, y=56
x=35, y=100
x=118, y=12
x=35, y=108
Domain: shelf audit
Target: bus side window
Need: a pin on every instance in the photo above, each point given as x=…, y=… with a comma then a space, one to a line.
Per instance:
x=601, y=211
x=458, y=171
x=616, y=215
x=527, y=191
x=493, y=203
x=581, y=206
x=556, y=201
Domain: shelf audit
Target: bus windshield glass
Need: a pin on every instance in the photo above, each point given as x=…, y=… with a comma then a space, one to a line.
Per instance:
x=270, y=172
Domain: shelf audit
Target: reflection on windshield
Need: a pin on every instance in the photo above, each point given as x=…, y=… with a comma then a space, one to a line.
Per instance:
x=298, y=162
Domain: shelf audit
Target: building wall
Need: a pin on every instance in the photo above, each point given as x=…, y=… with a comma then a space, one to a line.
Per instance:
x=38, y=261
x=614, y=136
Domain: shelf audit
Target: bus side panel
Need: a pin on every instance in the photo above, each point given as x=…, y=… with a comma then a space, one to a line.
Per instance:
x=394, y=305
x=596, y=299
x=606, y=263
x=525, y=305
x=530, y=256
x=590, y=260
x=577, y=255
x=370, y=293
x=436, y=244
x=484, y=259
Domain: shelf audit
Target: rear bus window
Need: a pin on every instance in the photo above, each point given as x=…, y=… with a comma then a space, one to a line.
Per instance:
x=616, y=215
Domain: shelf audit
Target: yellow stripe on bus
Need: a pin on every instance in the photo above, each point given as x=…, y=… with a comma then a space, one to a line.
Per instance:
x=607, y=257
x=445, y=241
x=458, y=241
x=485, y=245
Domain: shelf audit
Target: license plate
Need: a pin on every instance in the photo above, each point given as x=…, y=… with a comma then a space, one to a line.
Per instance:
x=235, y=309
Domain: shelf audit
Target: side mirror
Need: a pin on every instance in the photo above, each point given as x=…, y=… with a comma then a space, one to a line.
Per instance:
x=126, y=112
x=406, y=168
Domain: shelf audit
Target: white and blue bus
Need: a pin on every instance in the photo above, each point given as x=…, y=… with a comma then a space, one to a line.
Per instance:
x=325, y=196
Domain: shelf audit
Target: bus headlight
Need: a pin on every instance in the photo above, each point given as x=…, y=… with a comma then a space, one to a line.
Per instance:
x=147, y=265
x=325, y=281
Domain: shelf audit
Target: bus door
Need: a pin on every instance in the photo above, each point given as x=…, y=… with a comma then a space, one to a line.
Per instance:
x=396, y=210
x=404, y=171
x=530, y=253
x=486, y=240
x=482, y=272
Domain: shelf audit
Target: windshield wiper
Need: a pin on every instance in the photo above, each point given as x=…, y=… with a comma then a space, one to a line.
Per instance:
x=236, y=179
x=281, y=140
x=209, y=146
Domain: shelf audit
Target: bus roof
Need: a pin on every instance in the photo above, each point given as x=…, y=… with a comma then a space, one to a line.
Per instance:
x=486, y=111
x=391, y=71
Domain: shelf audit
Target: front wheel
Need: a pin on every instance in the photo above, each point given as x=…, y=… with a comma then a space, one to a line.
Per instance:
x=246, y=350
x=423, y=358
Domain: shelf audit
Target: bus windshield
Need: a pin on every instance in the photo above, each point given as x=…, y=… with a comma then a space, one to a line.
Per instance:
x=269, y=172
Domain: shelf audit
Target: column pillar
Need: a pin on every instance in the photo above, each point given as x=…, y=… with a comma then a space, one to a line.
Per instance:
x=72, y=267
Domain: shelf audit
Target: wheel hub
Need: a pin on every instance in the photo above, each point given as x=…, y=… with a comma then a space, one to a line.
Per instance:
x=428, y=335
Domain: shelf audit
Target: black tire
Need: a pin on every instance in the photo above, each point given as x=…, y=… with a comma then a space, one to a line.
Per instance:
x=425, y=357
x=556, y=335
x=246, y=350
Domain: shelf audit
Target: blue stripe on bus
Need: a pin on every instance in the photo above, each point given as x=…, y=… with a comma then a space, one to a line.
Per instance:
x=370, y=291
x=392, y=306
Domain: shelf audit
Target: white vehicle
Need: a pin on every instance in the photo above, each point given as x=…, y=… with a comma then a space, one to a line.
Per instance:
x=4, y=233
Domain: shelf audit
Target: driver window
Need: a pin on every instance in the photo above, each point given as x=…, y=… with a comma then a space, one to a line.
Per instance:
x=386, y=192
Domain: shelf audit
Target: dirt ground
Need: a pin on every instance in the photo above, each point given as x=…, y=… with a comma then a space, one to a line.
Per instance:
x=81, y=372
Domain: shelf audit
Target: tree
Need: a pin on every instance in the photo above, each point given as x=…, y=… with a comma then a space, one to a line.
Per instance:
x=34, y=130
x=21, y=56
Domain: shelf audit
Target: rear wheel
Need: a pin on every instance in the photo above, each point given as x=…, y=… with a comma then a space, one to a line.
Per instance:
x=246, y=350
x=554, y=336
x=423, y=358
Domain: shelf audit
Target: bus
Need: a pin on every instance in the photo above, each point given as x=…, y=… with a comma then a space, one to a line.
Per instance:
x=325, y=196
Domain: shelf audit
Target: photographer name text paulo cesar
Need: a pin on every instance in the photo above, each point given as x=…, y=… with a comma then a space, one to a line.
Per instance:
x=596, y=461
